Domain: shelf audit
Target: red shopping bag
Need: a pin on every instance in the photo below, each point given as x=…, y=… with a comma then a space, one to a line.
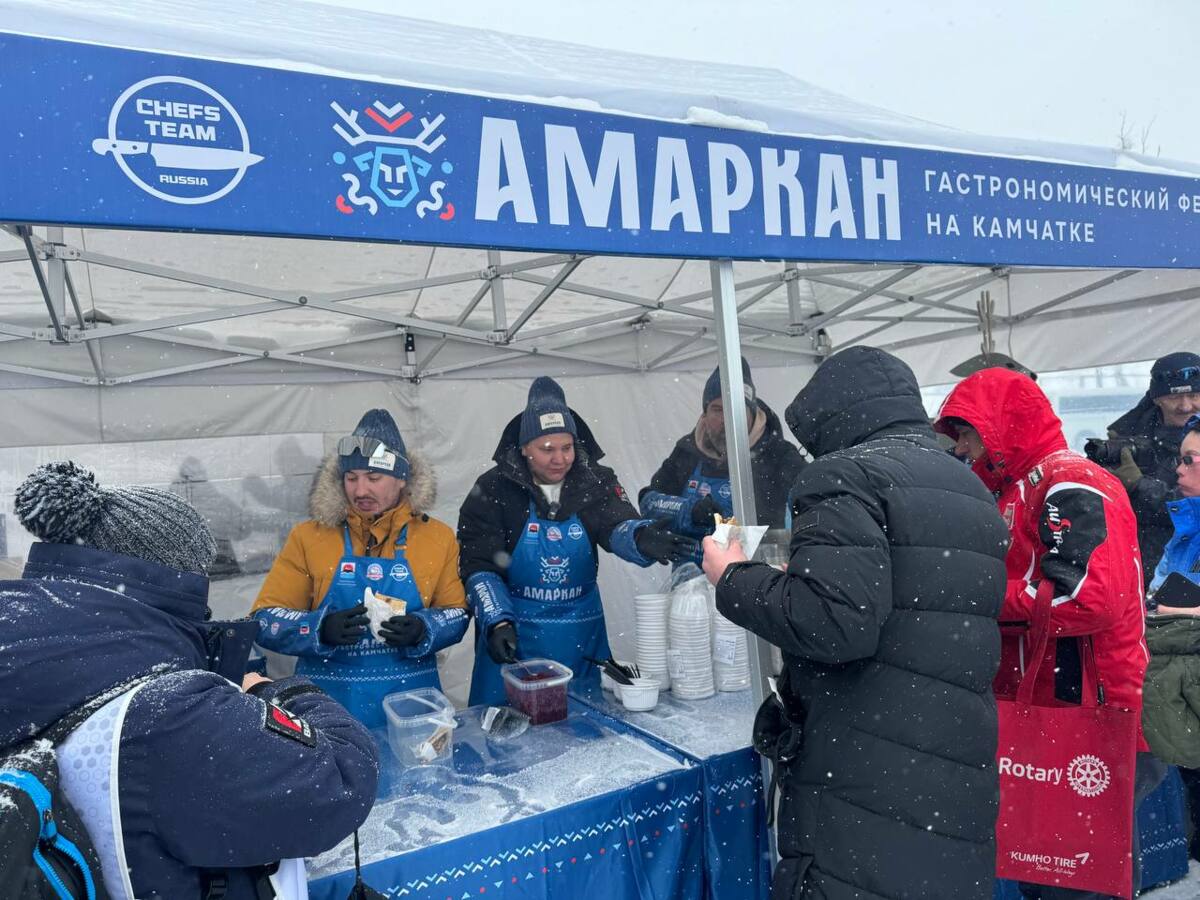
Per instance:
x=1066, y=782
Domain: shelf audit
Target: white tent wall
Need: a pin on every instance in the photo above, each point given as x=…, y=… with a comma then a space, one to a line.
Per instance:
x=246, y=454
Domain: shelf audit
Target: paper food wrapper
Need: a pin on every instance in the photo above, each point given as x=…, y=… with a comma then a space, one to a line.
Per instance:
x=749, y=536
x=380, y=608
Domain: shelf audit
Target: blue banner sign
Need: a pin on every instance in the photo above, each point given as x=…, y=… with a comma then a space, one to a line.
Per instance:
x=108, y=137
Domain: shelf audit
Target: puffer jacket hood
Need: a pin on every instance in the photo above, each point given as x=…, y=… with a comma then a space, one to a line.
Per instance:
x=854, y=395
x=327, y=499
x=1014, y=419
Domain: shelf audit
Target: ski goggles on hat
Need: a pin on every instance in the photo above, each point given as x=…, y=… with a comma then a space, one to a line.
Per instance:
x=1180, y=380
x=378, y=454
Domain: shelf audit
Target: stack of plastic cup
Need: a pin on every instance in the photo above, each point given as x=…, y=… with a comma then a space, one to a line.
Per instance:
x=690, y=654
x=731, y=656
x=650, y=612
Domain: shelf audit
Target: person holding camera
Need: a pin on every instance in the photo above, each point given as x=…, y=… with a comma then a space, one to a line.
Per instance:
x=1142, y=448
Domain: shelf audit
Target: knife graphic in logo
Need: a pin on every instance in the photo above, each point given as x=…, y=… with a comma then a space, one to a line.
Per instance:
x=179, y=156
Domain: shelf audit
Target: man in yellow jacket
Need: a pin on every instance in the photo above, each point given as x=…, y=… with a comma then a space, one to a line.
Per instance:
x=366, y=591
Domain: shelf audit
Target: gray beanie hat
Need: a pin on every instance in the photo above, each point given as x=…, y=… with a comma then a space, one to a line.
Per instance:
x=62, y=503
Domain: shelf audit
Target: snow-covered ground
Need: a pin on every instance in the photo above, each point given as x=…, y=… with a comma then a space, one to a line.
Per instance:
x=1187, y=889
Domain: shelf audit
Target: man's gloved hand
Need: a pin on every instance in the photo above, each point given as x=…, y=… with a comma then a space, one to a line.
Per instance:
x=403, y=631
x=502, y=643
x=345, y=627
x=703, y=512
x=1128, y=470
x=662, y=545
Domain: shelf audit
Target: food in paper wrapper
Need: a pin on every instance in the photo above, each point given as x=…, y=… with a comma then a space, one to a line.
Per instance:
x=380, y=608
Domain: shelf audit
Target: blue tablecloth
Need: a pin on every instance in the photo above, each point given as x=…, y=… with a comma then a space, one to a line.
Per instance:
x=579, y=810
x=715, y=734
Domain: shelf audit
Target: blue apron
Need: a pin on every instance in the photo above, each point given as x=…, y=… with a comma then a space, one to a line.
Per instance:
x=720, y=489
x=360, y=675
x=552, y=584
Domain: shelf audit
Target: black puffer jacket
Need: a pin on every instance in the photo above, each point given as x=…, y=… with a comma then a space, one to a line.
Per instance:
x=887, y=621
x=1150, y=495
x=774, y=463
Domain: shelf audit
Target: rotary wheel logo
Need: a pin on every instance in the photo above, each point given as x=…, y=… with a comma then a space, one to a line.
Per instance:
x=1088, y=775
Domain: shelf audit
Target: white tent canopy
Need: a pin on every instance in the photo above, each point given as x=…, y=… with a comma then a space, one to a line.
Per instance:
x=270, y=317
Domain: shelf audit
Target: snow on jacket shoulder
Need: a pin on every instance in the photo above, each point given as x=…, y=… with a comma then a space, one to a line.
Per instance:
x=1074, y=541
x=886, y=616
x=203, y=781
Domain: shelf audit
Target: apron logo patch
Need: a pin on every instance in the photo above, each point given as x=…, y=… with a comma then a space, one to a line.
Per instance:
x=399, y=572
x=274, y=628
x=347, y=570
x=553, y=533
x=375, y=572
x=280, y=721
x=725, y=491
x=554, y=569
x=575, y=531
x=693, y=484
x=704, y=490
x=534, y=528
x=304, y=630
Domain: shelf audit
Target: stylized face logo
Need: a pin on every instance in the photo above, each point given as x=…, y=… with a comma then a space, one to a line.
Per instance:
x=554, y=569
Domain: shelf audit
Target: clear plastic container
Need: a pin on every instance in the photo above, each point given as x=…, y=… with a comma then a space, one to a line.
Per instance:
x=538, y=687
x=420, y=726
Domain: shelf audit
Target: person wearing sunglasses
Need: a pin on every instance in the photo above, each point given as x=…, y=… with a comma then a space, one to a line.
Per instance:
x=529, y=529
x=1147, y=465
x=369, y=550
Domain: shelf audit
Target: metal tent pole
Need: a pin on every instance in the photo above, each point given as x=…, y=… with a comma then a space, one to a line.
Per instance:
x=737, y=440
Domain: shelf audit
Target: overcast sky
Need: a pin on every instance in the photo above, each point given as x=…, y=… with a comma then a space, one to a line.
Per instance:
x=1048, y=69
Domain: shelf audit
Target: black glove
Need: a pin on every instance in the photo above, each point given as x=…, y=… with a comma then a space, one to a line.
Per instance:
x=703, y=512
x=345, y=627
x=664, y=546
x=403, y=631
x=502, y=643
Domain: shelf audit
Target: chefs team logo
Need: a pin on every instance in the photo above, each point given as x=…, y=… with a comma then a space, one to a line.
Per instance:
x=553, y=533
x=554, y=569
x=393, y=159
x=177, y=140
x=399, y=572
x=375, y=572
x=725, y=491
x=1088, y=775
x=575, y=531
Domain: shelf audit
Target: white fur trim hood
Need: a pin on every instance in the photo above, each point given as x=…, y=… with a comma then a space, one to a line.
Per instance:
x=327, y=499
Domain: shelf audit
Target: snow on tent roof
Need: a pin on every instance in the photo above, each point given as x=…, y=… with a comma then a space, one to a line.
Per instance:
x=1073, y=283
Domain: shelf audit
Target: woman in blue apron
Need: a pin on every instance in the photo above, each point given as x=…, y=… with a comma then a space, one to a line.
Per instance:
x=528, y=532
x=368, y=544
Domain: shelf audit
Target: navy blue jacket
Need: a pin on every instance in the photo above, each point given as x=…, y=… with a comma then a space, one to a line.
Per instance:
x=204, y=783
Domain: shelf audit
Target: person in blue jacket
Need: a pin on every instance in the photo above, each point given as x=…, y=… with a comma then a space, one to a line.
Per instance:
x=528, y=532
x=693, y=482
x=211, y=775
x=1182, y=552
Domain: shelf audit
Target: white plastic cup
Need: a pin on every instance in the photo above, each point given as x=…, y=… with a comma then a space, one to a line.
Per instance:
x=640, y=696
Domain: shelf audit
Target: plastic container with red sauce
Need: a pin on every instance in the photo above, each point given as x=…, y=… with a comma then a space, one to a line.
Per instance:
x=538, y=687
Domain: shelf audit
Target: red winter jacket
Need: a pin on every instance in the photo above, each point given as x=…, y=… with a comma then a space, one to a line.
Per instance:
x=1074, y=537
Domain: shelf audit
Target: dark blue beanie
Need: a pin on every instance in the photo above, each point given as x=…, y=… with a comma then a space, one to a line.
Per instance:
x=712, y=387
x=546, y=412
x=378, y=424
x=1175, y=373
